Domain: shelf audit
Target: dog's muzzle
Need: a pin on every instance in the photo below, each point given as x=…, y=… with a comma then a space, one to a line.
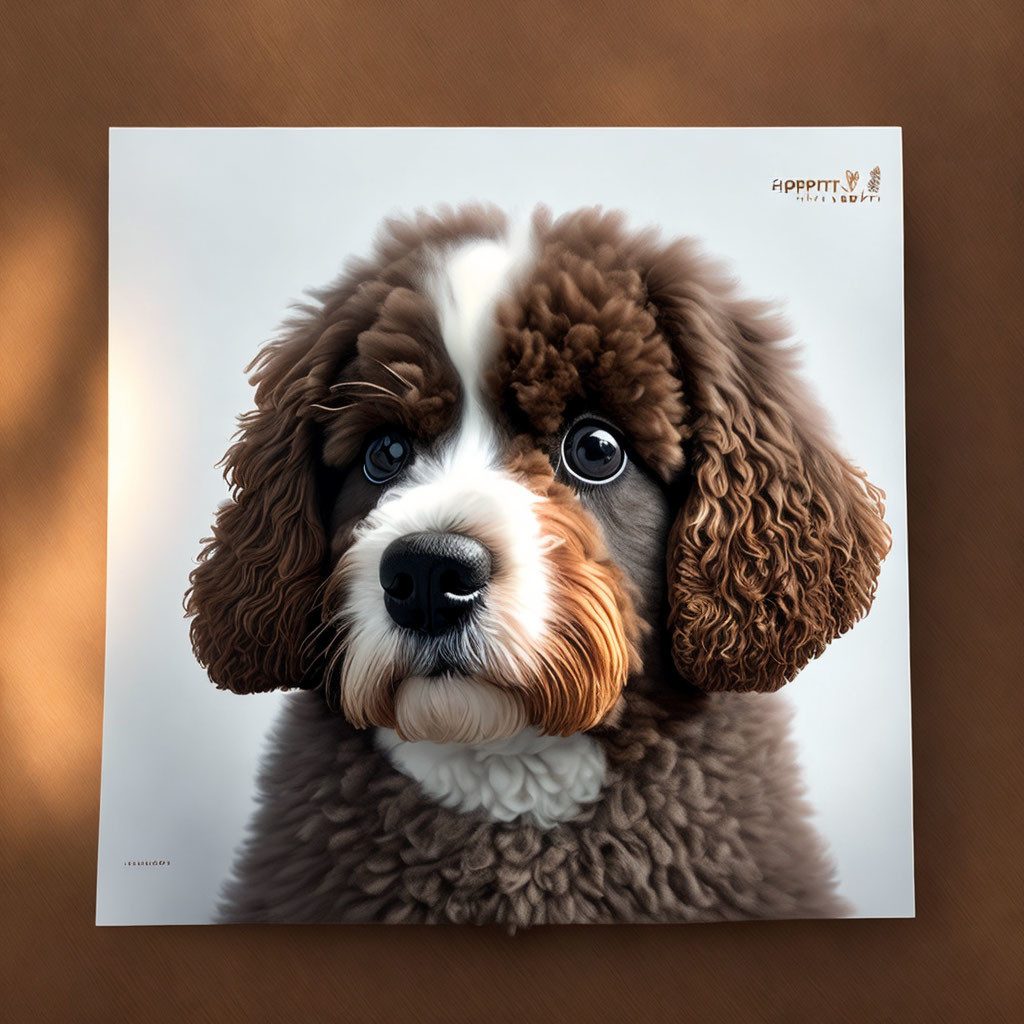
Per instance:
x=433, y=581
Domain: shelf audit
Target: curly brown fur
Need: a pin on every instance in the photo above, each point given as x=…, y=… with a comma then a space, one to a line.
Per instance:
x=776, y=551
x=581, y=328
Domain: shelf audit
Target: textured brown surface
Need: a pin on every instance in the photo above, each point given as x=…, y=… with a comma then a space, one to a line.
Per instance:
x=949, y=74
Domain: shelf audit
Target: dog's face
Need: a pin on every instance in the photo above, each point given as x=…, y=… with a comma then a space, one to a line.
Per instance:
x=489, y=467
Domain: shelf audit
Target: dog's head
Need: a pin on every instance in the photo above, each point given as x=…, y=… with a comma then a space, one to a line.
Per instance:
x=488, y=469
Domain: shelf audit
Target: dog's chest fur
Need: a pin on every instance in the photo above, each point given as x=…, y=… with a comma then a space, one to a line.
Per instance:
x=541, y=780
x=698, y=817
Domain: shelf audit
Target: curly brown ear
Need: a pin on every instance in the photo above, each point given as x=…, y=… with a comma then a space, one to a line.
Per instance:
x=777, y=547
x=254, y=589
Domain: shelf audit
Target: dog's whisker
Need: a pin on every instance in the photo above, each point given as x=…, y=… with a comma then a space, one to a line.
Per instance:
x=369, y=385
x=394, y=373
x=380, y=397
x=332, y=408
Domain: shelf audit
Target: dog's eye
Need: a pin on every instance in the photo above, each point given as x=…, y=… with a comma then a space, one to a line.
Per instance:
x=386, y=456
x=592, y=453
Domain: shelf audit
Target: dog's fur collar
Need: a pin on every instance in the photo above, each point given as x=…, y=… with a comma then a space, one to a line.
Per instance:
x=538, y=779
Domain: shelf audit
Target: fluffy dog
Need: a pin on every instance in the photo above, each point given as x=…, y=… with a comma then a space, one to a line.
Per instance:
x=524, y=517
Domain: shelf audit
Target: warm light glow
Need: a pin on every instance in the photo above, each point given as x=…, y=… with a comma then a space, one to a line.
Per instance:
x=52, y=517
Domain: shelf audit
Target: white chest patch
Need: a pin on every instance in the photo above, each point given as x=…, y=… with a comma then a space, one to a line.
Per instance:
x=542, y=779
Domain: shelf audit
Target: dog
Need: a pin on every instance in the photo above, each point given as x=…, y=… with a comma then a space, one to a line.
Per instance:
x=531, y=519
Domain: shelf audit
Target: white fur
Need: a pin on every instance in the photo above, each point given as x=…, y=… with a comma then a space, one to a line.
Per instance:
x=466, y=289
x=541, y=779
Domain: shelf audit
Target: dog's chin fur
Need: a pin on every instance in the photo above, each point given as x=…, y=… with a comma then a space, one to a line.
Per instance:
x=455, y=709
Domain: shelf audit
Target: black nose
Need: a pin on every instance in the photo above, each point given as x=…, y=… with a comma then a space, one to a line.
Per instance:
x=432, y=581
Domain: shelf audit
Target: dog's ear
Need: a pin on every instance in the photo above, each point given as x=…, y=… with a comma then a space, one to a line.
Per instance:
x=254, y=590
x=777, y=546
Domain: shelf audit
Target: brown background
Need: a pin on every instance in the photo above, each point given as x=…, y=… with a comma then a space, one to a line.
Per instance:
x=950, y=74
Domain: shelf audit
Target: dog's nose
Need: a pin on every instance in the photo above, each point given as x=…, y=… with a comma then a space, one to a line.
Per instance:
x=432, y=581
